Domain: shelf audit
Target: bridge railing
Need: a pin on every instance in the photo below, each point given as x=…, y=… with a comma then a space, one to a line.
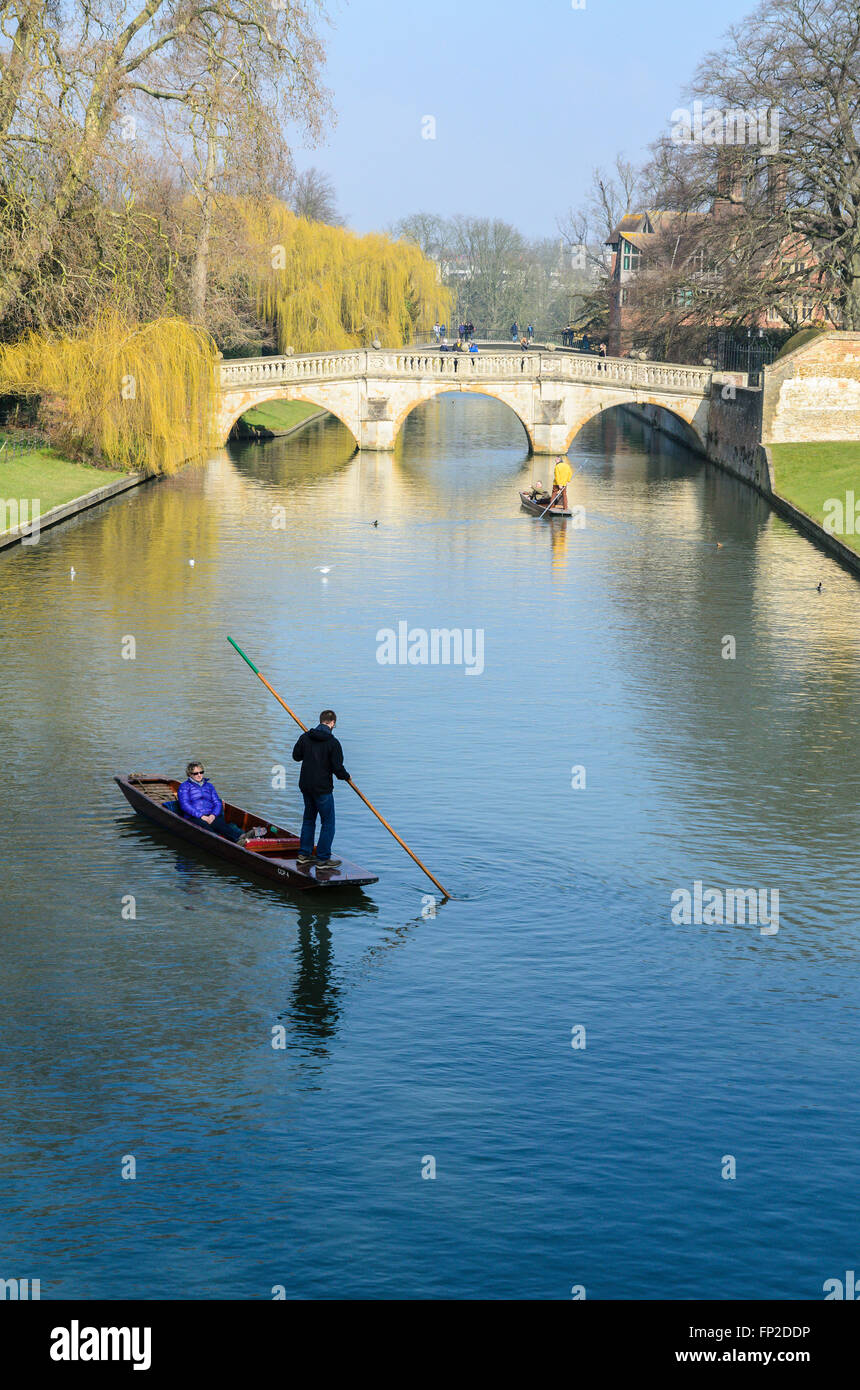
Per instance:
x=316, y=366
x=413, y=363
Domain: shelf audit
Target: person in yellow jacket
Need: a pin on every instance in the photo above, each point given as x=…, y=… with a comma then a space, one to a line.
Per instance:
x=560, y=479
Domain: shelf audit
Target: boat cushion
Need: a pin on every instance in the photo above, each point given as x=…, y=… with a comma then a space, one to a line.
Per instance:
x=172, y=806
x=269, y=845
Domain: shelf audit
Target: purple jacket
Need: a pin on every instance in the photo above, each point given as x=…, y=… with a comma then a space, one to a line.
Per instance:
x=199, y=798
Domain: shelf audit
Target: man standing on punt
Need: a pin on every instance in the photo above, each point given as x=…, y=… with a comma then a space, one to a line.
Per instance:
x=560, y=479
x=320, y=755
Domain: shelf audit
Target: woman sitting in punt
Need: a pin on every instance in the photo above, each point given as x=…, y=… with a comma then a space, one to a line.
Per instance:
x=199, y=802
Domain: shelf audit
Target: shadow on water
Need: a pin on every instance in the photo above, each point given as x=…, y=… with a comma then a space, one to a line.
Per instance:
x=314, y=1007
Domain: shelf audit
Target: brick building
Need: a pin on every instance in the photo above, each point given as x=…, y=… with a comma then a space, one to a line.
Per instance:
x=671, y=252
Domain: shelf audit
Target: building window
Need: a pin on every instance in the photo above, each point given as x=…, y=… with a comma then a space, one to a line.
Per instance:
x=624, y=296
x=629, y=256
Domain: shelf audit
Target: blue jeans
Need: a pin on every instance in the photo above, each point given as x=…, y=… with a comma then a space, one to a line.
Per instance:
x=322, y=806
x=220, y=826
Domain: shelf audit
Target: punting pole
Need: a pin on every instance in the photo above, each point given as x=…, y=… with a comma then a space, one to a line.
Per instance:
x=367, y=803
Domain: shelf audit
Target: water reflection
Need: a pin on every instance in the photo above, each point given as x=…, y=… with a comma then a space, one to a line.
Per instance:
x=314, y=1010
x=603, y=650
x=558, y=541
x=322, y=983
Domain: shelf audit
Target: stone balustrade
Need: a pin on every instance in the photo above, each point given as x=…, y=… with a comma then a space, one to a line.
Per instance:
x=421, y=364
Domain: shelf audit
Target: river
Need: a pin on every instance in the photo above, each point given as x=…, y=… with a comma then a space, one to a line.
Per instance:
x=576, y=1067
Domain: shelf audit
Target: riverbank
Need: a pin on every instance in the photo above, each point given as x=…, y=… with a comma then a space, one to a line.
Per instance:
x=39, y=489
x=817, y=479
x=40, y=485
x=274, y=419
x=799, y=480
x=44, y=476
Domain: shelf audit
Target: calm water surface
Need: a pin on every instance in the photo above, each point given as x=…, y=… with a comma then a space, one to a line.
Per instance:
x=410, y=1037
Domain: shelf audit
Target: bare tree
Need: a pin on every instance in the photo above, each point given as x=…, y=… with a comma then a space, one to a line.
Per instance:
x=426, y=229
x=491, y=270
x=313, y=196
x=498, y=274
x=21, y=24
x=221, y=109
x=778, y=159
x=611, y=193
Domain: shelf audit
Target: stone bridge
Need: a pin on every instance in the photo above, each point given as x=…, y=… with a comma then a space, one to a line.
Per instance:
x=552, y=393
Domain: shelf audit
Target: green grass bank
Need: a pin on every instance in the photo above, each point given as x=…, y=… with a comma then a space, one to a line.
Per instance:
x=280, y=416
x=41, y=473
x=811, y=476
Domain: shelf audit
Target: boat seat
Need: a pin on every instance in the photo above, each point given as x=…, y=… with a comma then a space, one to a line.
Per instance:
x=271, y=845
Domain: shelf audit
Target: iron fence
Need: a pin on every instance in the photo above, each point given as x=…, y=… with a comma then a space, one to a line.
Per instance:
x=732, y=353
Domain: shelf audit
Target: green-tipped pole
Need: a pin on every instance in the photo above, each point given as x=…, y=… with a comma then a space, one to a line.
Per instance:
x=243, y=656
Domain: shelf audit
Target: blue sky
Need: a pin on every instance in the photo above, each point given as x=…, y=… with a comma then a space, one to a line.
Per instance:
x=527, y=98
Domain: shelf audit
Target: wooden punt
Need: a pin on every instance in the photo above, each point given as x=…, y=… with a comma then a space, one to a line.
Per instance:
x=273, y=856
x=538, y=507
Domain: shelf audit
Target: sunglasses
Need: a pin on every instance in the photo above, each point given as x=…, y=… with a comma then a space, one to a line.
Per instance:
x=198, y=773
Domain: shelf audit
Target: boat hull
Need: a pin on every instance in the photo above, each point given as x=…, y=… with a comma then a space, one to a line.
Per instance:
x=274, y=860
x=539, y=508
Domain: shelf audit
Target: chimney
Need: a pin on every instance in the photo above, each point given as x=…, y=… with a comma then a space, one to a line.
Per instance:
x=723, y=174
x=776, y=186
x=731, y=183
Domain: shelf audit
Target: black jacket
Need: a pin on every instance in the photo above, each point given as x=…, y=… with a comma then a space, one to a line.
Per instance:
x=320, y=755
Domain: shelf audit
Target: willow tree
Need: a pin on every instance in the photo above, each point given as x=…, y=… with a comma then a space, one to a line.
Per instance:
x=135, y=396
x=327, y=287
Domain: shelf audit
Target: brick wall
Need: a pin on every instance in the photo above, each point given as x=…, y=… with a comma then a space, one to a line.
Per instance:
x=734, y=434
x=814, y=393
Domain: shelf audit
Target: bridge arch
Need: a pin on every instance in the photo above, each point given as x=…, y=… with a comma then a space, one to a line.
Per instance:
x=234, y=404
x=447, y=388
x=690, y=414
